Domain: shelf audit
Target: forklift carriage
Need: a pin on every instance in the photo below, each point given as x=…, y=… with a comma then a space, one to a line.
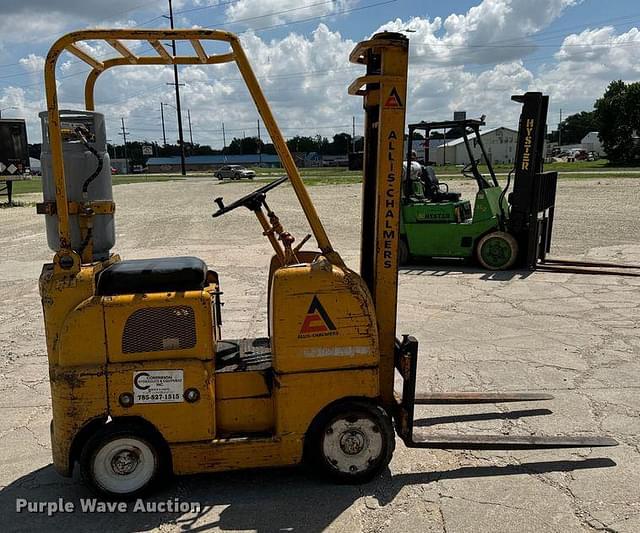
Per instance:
x=142, y=381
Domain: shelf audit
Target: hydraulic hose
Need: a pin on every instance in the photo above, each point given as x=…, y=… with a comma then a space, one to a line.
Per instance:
x=83, y=138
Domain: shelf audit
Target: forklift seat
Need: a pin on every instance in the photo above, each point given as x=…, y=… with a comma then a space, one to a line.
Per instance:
x=433, y=188
x=166, y=274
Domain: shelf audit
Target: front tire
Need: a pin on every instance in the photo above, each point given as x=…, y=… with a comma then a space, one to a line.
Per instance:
x=497, y=250
x=351, y=442
x=121, y=461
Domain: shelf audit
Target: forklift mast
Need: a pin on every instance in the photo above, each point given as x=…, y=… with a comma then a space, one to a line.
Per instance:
x=384, y=88
x=533, y=198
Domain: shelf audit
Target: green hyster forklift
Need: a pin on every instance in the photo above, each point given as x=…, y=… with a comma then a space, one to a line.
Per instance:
x=502, y=231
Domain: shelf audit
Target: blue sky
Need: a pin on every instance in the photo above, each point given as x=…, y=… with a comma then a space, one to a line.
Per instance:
x=469, y=55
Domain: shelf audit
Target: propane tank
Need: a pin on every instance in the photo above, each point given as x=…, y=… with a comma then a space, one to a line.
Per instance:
x=87, y=169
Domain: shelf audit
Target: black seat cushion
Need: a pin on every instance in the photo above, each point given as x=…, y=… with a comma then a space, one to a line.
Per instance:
x=433, y=189
x=448, y=197
x=166, y=274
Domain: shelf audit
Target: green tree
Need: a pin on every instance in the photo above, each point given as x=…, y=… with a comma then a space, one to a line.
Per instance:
x=302, y=144
x=245, y=145
x=618, y=116
x=341, y=144
x=575, y=127
x=269, y=148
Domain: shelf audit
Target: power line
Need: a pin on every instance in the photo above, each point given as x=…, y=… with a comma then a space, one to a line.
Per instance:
x=342, y=12
x=610, y=44
x=210, y=6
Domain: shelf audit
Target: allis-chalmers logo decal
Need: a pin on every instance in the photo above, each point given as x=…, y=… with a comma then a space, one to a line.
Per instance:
x=317, y=322
x=393, y=100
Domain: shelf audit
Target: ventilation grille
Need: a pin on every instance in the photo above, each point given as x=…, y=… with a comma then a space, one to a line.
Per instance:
x=158, y=329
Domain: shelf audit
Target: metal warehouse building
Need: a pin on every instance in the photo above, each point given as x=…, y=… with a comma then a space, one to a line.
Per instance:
x=500, y=144
x=202, y=163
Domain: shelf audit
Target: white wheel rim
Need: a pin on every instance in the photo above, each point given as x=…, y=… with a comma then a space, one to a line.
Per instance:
x=124, y=465
x=352, y=446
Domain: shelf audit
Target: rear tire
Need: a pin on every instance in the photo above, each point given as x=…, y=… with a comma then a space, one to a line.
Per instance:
x=351, y=442
x=497, y=250
x=122, y=461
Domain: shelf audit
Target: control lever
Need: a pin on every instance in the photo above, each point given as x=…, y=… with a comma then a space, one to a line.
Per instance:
x=302, y=243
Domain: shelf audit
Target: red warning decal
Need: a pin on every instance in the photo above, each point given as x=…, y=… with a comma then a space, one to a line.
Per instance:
x=393, y=100
x=317, y=321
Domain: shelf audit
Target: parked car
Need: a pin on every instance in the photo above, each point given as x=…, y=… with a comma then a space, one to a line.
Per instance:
x=234, y=172
x=138, y=169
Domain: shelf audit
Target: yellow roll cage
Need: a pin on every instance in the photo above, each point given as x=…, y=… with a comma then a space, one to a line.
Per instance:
x=195, y=37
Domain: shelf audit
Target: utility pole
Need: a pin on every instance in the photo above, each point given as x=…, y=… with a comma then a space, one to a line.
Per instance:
x=444, y=151
x=224, y=139
x=259, y=147
x=353, y=133
x=177, y=86
x=124, y=133
x=164, y=134
x=560, y=130
x=190, y=130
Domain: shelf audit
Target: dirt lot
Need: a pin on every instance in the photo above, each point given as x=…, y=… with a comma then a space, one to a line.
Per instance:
x=576, y=336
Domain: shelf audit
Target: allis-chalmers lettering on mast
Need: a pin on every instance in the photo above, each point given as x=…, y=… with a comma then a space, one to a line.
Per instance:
x=389, y=216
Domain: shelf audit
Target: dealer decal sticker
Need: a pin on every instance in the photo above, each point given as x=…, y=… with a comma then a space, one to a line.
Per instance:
x=158, y=386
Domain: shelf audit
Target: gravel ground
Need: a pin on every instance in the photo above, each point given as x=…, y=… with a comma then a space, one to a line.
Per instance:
x=574, y=335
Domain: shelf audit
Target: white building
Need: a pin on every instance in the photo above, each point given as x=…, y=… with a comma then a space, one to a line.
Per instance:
x=499, y=143
x=591, y=143
x=418, y=146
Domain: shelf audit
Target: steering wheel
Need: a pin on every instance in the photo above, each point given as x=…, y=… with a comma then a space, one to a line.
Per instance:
x=251, y=201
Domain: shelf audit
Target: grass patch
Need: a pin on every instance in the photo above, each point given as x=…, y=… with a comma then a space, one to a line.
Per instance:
x=599, y=165
x=331, y=180
x=35, y=184
x=599, y=175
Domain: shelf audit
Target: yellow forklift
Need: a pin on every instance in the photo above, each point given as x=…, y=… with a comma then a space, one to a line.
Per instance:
x=142, y=381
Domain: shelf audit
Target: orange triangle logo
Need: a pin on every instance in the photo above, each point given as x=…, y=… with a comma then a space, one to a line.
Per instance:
x=394, y=99
x=317, y=319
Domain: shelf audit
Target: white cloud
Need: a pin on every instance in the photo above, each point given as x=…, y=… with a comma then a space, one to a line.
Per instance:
x=33, y=63
x=587, y=62
x=493, y=31
x=28, y=21
x=259, y=13
x=472, y=61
